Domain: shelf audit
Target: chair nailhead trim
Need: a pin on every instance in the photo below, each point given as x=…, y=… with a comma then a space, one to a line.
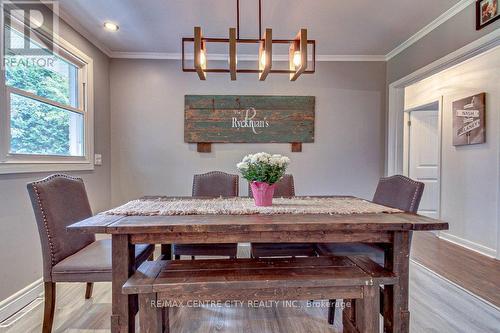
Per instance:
x=235, y=180
x=408, y=180
x=44, y=216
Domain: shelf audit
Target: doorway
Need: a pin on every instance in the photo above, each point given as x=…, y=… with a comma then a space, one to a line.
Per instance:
x=423, y=154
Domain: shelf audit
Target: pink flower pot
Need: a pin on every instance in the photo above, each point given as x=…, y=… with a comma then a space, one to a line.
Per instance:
x=262, y=193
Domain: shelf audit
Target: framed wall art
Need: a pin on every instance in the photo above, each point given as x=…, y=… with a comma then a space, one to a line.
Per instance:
x=487, y=12
x=469, y=120
x=248, y=119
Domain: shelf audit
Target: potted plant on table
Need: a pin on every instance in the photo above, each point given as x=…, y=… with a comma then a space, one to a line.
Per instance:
x=263, y=170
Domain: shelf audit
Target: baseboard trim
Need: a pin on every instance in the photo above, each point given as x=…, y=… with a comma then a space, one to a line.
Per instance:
x=484, y=250
x=20, y=299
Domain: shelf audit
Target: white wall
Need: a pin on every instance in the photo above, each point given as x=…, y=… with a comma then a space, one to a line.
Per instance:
x=470, y=174
x=150, y=157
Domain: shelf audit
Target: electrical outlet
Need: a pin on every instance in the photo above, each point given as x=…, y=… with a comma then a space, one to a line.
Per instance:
x=98, y=159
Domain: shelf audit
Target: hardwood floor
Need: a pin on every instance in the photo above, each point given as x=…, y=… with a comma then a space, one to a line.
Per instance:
x=436, y=307
x=470, y=270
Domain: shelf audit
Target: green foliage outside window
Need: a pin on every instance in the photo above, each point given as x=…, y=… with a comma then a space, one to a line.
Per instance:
x=38, y=128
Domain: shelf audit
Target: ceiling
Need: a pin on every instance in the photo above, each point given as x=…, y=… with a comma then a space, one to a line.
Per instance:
x=353, y=27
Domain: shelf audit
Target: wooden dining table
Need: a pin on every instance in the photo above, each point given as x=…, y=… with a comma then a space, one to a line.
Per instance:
x=390, y=231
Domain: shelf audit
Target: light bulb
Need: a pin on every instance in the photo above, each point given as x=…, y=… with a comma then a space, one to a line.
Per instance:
x=297, y=58
x=203, y=58
x=111, y=26
x=263, y=59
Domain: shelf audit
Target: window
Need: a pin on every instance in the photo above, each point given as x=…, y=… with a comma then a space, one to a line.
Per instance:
x=46, y=112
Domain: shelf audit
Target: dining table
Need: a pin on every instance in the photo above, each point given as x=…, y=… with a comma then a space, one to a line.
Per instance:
x=389, y=230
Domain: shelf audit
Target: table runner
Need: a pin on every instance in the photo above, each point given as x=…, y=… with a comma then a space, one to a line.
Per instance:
x=246, y=206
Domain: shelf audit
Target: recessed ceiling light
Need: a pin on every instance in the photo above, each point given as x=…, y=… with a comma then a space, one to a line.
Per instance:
x=111, y=26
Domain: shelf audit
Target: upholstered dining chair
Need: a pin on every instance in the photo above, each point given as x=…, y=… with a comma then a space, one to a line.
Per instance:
x=397, y=192
x=285, y=187
x=58, y=201
x=211, y=184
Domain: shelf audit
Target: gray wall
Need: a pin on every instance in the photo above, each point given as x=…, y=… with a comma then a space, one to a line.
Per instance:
x=20, y=252
x=150, y=157
x=455, y=33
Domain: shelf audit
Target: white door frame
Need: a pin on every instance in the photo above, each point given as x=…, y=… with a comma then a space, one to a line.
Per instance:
x=395, y=118
x=406, y=144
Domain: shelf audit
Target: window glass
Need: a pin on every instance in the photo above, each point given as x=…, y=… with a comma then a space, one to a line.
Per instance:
x=42, y=73
x=42, y=129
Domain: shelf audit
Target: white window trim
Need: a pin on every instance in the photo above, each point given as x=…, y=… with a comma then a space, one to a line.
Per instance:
x=18, y=163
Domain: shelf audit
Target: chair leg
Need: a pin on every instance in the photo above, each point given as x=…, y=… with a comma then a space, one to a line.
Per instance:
x=331, y=311
x=177, y=257
x=88, y=290
x=192, y=257
x=49, y=306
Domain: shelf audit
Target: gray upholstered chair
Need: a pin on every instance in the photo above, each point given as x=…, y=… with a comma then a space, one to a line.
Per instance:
x=59, y=201
x=285, y=187
x=397, y=192
x=211, y=184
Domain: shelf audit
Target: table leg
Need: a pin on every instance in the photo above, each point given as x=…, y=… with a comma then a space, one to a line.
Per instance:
x=397, y=259
x=124, y=307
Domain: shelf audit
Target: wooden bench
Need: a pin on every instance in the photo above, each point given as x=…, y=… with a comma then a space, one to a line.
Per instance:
x=277, y=279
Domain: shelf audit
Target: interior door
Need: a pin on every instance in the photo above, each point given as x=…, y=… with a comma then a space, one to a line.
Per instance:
x=424, y=156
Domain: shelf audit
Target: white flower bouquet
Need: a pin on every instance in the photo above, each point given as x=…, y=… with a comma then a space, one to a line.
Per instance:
x=263, y=167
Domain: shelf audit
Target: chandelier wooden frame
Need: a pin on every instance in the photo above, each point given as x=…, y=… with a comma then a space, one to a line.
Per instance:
x=299, y=44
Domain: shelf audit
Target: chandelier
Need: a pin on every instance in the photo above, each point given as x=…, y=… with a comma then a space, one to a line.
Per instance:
x=297, y=54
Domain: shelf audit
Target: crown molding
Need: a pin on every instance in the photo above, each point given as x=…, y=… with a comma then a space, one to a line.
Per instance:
x=73, y=23
x=149, y=55
x=457, y=8
x=241, y=57
x=350, y=57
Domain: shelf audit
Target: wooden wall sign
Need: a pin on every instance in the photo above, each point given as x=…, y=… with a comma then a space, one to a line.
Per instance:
x=248, y=119
x=469, y=120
